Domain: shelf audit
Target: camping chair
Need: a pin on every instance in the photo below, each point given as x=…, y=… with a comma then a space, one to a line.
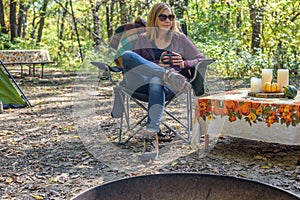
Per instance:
x=124, y=96
x=121, y=107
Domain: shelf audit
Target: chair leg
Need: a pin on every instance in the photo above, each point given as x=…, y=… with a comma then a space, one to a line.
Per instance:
x=189, y=114
x=130, y=127
x=127, y=113
x=120, y=131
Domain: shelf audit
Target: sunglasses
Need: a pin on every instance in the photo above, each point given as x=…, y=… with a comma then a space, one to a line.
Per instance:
x=163, y=17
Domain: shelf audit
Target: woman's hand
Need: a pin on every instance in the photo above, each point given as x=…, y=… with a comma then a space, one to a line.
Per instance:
x=165, y=61
x=177, y=60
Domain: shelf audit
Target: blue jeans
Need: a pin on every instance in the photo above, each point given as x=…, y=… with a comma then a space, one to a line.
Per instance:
x=146, y=77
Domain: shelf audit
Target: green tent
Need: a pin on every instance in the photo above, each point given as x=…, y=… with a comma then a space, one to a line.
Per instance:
x=9, y=96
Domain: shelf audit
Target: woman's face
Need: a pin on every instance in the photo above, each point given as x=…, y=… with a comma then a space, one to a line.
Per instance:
x=165, y=20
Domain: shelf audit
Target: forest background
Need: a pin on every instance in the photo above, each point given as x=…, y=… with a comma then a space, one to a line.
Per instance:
x=243, y=35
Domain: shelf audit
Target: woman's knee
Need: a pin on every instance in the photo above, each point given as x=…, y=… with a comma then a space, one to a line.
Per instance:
x=156, y=85
x=156, y=80
x=128, y=55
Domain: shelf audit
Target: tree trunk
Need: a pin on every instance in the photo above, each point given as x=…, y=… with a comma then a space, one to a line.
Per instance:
x=33, y=24
x=42, y=21
x=227, y=18
x=97, y=23
x=25, y=21
x=3, y=28
x=62, y=29
x=20, y=18
x=197, y=9
x=109, y=16
x=13, y=19
x=123, y=12
x=238, y=16
x=76, y=31
x=256, y=20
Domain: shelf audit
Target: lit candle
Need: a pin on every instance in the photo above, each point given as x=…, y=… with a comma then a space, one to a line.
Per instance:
x=282, y=78
x=267, y=75
x=255, y=84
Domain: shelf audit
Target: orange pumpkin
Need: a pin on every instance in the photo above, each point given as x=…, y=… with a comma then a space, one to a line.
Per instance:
x=245, y=108
x=275, y=87
x=232, y=105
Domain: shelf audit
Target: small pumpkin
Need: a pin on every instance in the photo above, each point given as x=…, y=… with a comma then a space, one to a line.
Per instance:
x=290, y=91
x=275, y=87
x=267, y=87
x=271, y=87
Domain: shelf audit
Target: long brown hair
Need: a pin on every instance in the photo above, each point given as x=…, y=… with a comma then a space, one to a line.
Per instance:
x=153, y=14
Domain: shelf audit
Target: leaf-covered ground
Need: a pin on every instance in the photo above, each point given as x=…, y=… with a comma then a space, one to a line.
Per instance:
x=43, y=156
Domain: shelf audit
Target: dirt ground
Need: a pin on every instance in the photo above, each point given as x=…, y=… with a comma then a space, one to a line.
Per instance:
x=48, y=152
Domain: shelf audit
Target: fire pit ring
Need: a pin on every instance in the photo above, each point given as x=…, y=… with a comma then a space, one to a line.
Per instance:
x=185, y=186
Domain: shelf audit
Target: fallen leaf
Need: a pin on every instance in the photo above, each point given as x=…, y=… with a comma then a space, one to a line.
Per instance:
x=243, y=175
x=8, y=180
x=258, y=157
x=38, y=197
x=265, y=167
x=221, y=136
x=173, y=164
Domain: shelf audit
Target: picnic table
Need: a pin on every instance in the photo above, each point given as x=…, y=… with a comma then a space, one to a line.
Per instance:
x=26, y=57
x=234, y=113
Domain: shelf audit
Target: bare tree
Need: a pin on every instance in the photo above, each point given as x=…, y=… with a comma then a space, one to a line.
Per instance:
x=238, y=17
x=76, y=30
x=96, y=21
x=123, y=11
x=42, y=20
x=25, y=20
x=20, y=18
x=256, y=17
x=13, y=19
x=109, y=8
x=33, y=24
x=3, y=28
x=62, y=29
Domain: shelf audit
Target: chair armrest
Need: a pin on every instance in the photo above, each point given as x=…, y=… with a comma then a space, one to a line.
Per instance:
x=104, y=66
x=101, y=65
x=201, y=67
x=107, y=70
x=198, y=74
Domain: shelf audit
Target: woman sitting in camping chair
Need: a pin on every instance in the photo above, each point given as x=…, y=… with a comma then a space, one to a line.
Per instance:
x=158, y=65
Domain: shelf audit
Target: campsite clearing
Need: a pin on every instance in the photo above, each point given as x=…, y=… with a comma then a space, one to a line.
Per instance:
x=42, y=156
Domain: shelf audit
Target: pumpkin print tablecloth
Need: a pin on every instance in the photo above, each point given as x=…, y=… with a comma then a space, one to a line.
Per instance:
x=27, y=56
x=237, y=114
